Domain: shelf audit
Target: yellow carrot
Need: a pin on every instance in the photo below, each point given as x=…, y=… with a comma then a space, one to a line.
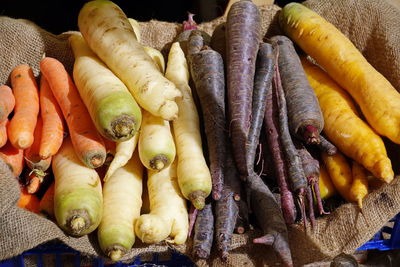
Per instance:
x=359, y=187
x=377, y=98
x=326, y=187
x=343, y=126
x=339, y=170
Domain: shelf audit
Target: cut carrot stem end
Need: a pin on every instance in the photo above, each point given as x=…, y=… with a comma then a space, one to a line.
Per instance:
x=116, y=253
x=198, y=199
x=189, y=24
x=158, y=162
x=77, y=224
x=311, y=135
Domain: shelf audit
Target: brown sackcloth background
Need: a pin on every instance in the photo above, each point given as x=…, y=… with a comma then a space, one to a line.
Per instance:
x=373, y=26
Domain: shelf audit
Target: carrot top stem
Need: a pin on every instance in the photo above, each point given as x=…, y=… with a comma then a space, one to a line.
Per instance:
x=189, y=24
x=311, y=135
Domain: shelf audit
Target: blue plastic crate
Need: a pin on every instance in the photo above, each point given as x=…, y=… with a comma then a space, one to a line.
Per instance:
x=380, y=243
x=57, y=251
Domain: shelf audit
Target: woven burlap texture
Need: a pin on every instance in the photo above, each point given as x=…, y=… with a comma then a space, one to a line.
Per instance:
x=372, y=25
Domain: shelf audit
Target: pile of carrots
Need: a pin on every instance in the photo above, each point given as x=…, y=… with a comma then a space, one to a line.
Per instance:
x=134, y=143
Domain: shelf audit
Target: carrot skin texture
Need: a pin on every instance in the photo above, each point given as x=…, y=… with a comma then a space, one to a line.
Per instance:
x=13, y=157
x=26, y=110
x=305, y=116
x=243, y=35
x=86, y=140
x=340, y=58
x=203, y=232
x=7, y=102
x=326, y=146
x=275, y=147
x=207, y=71
x=270, y=219
x=262, y=83
x=53, y=121
x=46, y=204
x=3, y=132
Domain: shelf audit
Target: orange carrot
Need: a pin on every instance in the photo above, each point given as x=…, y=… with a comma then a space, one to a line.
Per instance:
x=37, y=165
x=26, y=93
x=7, y=102
x=46, y=205
x=28, y=201
x=86, y=140
x=53, y=121
x=3, y=132
x=13, y=157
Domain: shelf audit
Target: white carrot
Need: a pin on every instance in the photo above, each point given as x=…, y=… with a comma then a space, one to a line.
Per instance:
x=109, y=34
x=123, y=152
x=194, y=176
x=168, y=215
x=111, y=106
x=78, y=199
x=122, y=203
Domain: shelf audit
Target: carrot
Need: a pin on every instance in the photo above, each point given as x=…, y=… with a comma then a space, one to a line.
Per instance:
x=243, y=35
x=327, y=189
x=297, y=180
x=345, y=128
x=326, y=146
x=22, y=124
x=339, y=170
x=262, y=83
x=203, y=232
x=270, y=219
x=13, y=157
x=53, y=121
x=304, y=113
x=78, y=198
x=28, y=201
x=218, y=40
x=168, y=215
x=242, y=220
x=122, y=201
x=207, y=72
x=3, y=132
x=7, y=102
x=194, y=176
x=192, y=218
x=36, y=164
x=88, y=144
x=111, y=106
x=123, y=152
x=156, y=143
x=46, y=204
x=359, y=186
x=275, y=148
x=109, y=34
x=341, y=59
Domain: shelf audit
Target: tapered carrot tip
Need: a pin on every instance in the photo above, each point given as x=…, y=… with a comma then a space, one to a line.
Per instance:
x=266, y=240
x=224, y=255
x=359, y=202
x=201, y=253
x=198, y=199
x=158, y=162
x=311, y=135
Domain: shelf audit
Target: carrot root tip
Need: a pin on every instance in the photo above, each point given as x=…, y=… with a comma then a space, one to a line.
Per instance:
x=267, y=239
x=201, y=253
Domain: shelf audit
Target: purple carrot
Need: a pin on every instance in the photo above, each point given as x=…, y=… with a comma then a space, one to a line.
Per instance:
x=326, y=146
x=270, y=219
x=262, y=84
x=305, y=116
x=296, y=177
x=192, y=218
x=243, y=35
x=203, y=232
x=310, y=201
x=242, y=220
x=311, y=171
x=207, y=71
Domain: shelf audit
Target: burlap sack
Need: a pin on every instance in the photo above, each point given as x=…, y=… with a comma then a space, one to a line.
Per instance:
x=372, y=25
